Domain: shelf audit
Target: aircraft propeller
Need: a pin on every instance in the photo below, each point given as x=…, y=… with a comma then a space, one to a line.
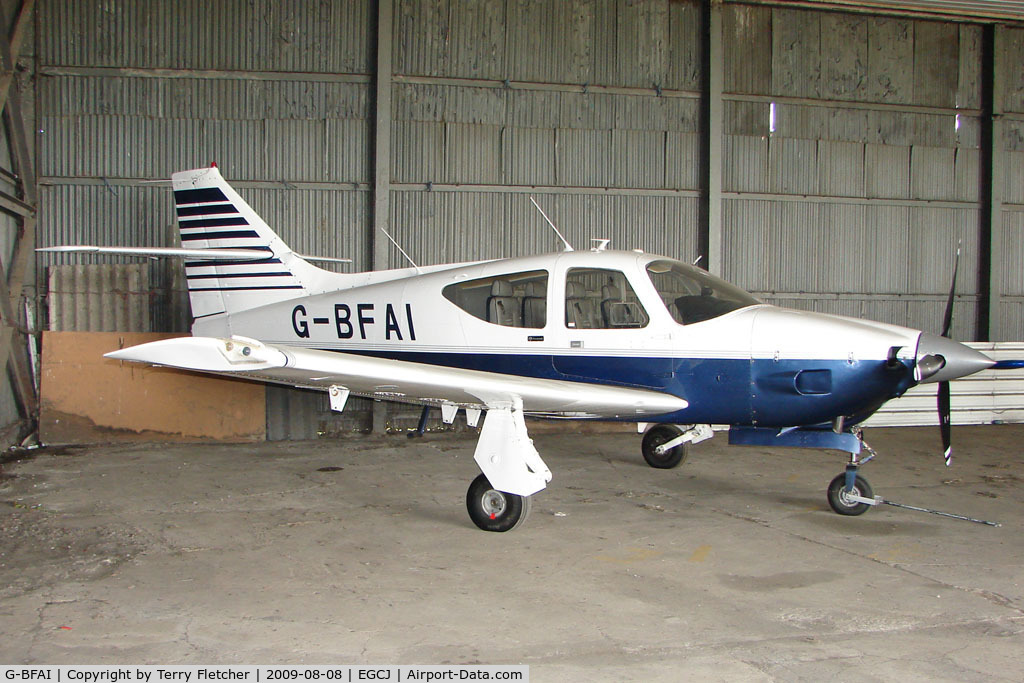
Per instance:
x=945, y=417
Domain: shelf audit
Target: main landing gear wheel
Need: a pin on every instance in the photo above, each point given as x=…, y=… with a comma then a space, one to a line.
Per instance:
x=494, y=510
x=838, y=498
x=657, y=436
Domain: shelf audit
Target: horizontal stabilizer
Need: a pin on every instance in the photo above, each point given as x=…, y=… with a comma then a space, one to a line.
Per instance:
x=164, y=252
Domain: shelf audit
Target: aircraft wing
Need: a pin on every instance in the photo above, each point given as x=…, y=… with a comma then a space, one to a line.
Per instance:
x=402, y=381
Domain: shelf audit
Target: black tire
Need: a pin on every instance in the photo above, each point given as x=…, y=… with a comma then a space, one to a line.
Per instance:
x=837, y=496
x=494, y=510
x=656, y=436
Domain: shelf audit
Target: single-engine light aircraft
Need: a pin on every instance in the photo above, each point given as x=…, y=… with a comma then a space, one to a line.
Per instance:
x=591, y=335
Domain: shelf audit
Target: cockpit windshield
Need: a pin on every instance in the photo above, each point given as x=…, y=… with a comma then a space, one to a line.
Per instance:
x=693, y=295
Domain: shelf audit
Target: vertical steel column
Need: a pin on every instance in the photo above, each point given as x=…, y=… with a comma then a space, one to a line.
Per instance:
x=382, y=161
x=993, y=160
x=382, y=136
x=13, y=349
x=710, y=232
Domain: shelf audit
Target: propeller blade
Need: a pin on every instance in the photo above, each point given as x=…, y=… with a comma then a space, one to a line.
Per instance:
x=945, y=425
x=947, y=318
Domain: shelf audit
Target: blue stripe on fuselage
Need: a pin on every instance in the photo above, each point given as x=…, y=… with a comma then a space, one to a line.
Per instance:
x=719, y=391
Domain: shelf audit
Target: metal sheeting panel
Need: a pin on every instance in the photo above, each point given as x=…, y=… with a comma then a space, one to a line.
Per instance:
x=745, y=167
x=807, y=53
x=472, y=154
x=440, y=227
x=787, y=253
x=238, y=35
x=300, y=414
x=202, y=98
x=115, y=140
x=331, y=223
x=1012, y=249
x=887, y=171
x=990, y=396
x=499, y=136
x=841, y=168
x=100, y=298
x=1013, y=56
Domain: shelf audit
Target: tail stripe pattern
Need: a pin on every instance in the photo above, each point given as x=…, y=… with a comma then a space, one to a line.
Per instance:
x=201, y=214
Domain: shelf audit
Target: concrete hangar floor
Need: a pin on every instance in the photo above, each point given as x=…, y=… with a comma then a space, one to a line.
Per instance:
x=360, y=551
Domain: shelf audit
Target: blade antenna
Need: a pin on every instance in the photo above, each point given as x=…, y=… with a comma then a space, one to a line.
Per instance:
x=568, y=247
x=401, y=250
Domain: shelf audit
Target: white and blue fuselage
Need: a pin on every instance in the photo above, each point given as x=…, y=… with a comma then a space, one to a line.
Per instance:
x=740, y=363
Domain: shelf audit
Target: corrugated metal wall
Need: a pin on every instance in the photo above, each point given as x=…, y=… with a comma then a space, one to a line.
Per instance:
x=581, y=103
x=851, y=143
x=852, y=162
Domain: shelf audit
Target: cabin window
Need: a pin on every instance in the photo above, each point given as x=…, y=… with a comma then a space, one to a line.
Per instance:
x=596, y=298
x=692, y=295
x=510, y=300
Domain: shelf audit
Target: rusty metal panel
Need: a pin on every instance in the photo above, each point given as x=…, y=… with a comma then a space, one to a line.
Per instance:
x=587, y=110
x=890, y=50
x=844, y=55
x=969, y=82
x=202, y=98
x=99, y=298
x=1013, y=54
x=418, y=102
x=841, y=168
x=555, y=42
x=747, y=49
x=889, y=128
x=475, y=105
x=686, y=44
x=796, y=53
x=936, y=63
x=887, y=171
x=747, y=118
x=642, y=44
x=533, y=108
x=797, y=121
x=745, y=168
x=477, y=41
x=230, y=35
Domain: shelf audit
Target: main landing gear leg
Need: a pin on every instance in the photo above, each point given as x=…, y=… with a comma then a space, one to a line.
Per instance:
x=499, y=499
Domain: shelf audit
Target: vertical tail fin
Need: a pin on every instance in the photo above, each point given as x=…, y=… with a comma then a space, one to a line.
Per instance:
x=211, y=215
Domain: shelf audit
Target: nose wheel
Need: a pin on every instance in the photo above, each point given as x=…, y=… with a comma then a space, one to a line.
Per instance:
x=494, y=510
x=839, y=495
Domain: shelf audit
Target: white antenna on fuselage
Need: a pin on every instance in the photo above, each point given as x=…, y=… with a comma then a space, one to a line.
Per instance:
x=568, y=247
x=399, y=246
